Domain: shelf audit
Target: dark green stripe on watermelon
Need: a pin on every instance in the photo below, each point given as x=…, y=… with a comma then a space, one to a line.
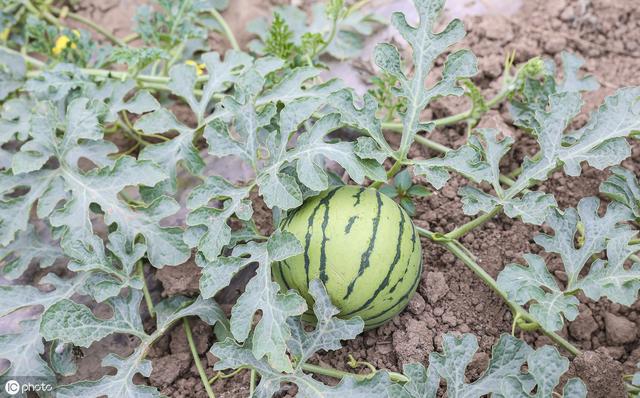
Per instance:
x=413, y=249
x=347, y=229
x=357, y=196
x=323, y=202
x=281, y=265
x=323, y=248
x=401, y=300
x=366, y=256
x=387, y=277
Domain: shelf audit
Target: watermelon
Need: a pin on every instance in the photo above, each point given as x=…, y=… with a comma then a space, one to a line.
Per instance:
x=361, y=245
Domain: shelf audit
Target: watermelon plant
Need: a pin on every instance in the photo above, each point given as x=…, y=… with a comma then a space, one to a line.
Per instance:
x=103, y=180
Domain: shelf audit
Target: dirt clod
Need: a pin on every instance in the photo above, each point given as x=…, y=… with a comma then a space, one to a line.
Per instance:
x=181, y=279
x=168, y=368
x=620, y=330
x=583, y=326
x=601, y=374
x=434, y=287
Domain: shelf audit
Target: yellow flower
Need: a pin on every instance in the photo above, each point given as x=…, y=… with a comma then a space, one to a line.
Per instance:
x=199, y=67
x=64, y=41
x=61, y=43
x=4, y=35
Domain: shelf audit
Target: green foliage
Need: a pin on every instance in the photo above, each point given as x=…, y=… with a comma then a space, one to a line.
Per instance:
x=600, y=143
x=383, y=92
x=536, y=84
x=302, y=345
x=502, y=378
x=137, y=58
x=289, y=28
x=126, y=320
x=622, y=186
x=172, y=23
x=278, y=42
x=402, y=190
x=459, y=64
x=606, y=278
x=270, y=335
x=64, y=45
x=12, y=74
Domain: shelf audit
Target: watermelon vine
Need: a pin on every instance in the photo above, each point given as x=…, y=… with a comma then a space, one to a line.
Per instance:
x=92, y=148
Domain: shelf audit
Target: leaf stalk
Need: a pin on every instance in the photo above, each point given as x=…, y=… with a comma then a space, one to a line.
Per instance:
x=339, y=374
x=145, y=289
x=225, y=28
x=196, y=358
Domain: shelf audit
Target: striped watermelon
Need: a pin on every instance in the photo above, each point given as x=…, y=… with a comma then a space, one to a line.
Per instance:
x=362, y=245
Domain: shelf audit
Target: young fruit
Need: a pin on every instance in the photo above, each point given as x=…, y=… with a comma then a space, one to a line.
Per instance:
x=362, y=245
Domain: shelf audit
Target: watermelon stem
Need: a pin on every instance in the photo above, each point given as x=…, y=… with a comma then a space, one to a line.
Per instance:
x=196, y=358
x=476, y=222
x=390, y=174
x=252, y=382
x=339, y=374
x=145, y=290
x=525, y=320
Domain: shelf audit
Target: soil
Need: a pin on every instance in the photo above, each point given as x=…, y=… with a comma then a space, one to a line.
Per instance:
x=451, y=299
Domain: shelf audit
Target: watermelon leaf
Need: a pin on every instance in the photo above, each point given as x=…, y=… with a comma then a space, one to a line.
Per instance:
x=233, y=356
x=363, y=118
x=502, y=378
x=272, y=332
x=62, y=358
x=23, y=349
x=266, y=151
x=329, y=330
x=109, y=273
x=27, y=343
x=80, y=189
x=28, y=247
x=536, y=88
x=209, y=229
x=74, y=323
x=126, y=320
x=427, y=46
x=119, y=385
x=224, y=73
x=351, y=29
x=622, y=186
x=12, y=73
x=178, y=150
x=548, y=302
x=327, y=335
